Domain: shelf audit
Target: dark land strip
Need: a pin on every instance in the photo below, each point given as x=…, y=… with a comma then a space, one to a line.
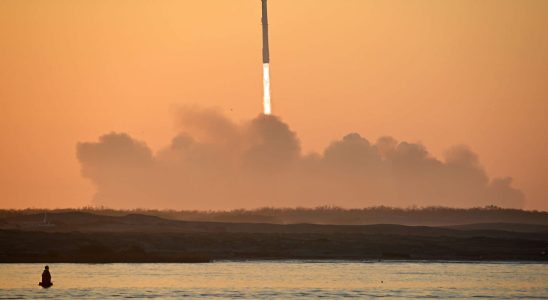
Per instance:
x=88, y=238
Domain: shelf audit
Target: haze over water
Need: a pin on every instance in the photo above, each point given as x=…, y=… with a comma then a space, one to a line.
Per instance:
x=281, y=279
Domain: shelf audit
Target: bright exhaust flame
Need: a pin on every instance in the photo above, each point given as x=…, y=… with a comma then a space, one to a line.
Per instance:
x=266, y=89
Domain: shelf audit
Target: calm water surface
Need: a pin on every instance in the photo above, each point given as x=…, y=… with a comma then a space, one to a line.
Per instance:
x=283, y=280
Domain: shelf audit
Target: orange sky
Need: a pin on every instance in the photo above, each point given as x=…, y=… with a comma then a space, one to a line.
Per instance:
x=436, y=72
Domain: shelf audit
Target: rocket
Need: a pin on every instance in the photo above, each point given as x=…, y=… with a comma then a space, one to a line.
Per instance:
x=266, y=61
x=266, y=50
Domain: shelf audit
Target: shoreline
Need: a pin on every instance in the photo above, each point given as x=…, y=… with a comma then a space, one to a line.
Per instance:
x=87, y=238
x=161, y=247
x=289, y=260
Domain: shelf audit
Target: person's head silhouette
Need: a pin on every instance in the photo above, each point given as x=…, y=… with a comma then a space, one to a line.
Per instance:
x=46, y=267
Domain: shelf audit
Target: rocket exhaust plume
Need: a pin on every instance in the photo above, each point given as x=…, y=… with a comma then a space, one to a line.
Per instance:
x=266, y=62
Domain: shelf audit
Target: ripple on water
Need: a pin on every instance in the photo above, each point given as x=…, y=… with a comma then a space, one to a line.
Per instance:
x=285, y=279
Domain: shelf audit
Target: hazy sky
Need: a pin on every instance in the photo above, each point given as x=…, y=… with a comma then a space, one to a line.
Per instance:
x=440, y=73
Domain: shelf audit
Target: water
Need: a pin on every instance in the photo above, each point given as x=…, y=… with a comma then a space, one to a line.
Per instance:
x=282, y=280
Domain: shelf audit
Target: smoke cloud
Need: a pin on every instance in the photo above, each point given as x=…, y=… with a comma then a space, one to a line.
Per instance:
x=215, y=163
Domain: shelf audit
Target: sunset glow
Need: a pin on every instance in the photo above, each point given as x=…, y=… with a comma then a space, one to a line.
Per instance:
x=438, y=73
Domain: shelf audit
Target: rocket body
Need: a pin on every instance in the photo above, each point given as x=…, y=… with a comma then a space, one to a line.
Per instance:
x=267, y=109
x=266, y=50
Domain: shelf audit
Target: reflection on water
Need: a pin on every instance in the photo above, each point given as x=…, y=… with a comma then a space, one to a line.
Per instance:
x=286, y=279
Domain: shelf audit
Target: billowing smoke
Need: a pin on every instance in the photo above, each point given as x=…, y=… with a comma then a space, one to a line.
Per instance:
x=215, y=163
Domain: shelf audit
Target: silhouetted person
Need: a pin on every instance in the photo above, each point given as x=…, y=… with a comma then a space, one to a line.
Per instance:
x=46, y=278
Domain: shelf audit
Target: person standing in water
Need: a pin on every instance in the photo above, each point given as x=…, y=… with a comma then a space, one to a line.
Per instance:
x=46, y=278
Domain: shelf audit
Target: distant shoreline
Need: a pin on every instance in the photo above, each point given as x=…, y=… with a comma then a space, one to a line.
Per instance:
x=89, y=238
x=310, y=261
x=328, y=215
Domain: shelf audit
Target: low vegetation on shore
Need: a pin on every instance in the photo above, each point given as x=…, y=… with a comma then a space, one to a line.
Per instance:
x=426, y=216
